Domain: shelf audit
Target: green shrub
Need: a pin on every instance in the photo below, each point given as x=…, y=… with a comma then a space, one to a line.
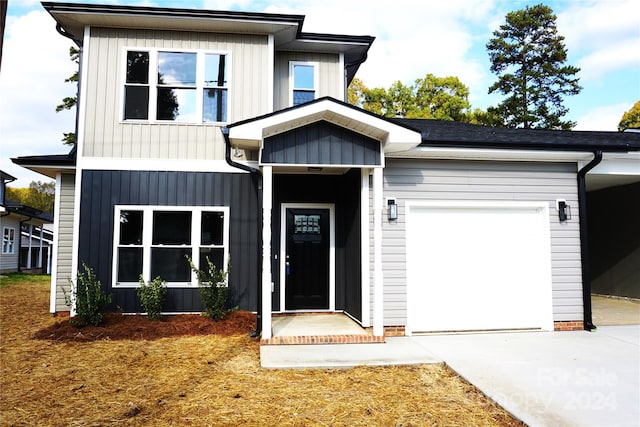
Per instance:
x=212, y=283
x=152, y=297
x=89, y=298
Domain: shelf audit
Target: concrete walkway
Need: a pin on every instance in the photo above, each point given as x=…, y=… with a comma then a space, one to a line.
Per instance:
x=542, y=378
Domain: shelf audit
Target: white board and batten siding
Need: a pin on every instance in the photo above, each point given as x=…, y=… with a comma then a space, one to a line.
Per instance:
x=64, y=234
x=483, y=183
x=106, y=135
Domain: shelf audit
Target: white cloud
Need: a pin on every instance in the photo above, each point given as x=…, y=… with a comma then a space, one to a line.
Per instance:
x=603, y=118
x=35, y=64
x=603, y=34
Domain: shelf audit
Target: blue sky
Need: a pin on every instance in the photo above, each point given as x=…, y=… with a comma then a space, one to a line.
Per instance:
x=413, y=38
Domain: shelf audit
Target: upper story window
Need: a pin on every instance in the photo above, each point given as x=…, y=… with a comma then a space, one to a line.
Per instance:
x=303, y=81
x=189, y=87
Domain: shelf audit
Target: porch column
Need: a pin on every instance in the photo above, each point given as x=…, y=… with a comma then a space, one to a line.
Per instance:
x=365, y=246
x=40, y=250
x=378, y=313
x=267, y=196
x=29, y=250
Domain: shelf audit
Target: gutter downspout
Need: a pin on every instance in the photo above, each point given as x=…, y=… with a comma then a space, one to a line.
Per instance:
x=584, y=240
x=257, y=175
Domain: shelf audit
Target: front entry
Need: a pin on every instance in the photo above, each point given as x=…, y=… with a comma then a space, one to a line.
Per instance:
x=308, y=258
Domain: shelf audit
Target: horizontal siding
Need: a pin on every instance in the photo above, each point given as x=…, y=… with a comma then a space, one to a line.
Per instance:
x=414, y=180
x=329, y=77
x=9, y=262
x=106, y=136
x=65, y=240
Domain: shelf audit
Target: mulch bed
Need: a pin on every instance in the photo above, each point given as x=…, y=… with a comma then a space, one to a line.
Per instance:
x=117, y=326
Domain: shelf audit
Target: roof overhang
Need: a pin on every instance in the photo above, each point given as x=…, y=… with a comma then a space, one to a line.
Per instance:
x=250, y=134
x=48, y=165
x=614, y=169
x=74, y=17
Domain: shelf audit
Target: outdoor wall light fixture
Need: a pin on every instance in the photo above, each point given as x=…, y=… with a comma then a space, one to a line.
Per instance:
x=392, y=209
x=564, y=210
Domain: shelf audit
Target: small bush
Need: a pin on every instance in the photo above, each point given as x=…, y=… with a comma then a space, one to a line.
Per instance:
x=213, y=287
x=152, y=297
x=89, y=298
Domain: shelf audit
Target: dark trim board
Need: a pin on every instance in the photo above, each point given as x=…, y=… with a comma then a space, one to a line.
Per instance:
x=102, y=190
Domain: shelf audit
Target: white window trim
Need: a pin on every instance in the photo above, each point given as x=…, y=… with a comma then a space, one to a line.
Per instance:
x=153, y=84
x=147, y=236
x=316, y=72
x=10, y=238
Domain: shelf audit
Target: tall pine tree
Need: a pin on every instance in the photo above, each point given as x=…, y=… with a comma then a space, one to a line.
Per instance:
x=529, y=57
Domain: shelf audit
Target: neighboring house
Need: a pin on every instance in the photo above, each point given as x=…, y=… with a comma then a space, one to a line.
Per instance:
x=26, y=246
x=226, y=135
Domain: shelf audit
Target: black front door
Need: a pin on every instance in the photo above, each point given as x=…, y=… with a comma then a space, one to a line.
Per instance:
x=307, y=259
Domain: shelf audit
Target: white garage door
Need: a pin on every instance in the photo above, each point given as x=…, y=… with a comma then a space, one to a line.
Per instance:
x=478, y=266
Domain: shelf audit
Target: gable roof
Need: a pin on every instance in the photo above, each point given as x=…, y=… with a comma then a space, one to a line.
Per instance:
x=441, y=133
x=286, y=29
x=393, y=136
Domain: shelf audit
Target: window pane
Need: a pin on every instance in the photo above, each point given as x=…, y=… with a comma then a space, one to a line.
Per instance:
x=177, y=104
x=138, y=67
x=303, y=77
x=215, y=105
x=171, y=264
x=212, y=228
x=171, y=228
x=136, y=102
x=215, y=70
x=215, y=255
x=131, y=227
x=176, y=68
x=302, y=96
x=129, y=264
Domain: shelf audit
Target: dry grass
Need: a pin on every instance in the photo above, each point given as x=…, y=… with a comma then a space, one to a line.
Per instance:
x=208, y=380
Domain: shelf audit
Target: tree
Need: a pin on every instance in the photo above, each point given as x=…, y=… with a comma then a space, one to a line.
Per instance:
x=70, y=102
x=40, y=195
x=529, y=56
x=431, y=97
x=630, y=119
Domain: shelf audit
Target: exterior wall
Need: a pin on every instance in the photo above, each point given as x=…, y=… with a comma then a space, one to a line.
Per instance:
x=64, y=235
x=614, y=240
x=103, y=190
x=105, y=135
x=485, y=181
x=330, y=78
x=9, y=262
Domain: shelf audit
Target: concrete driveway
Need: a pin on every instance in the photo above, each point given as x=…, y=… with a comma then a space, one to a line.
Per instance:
x=551, y=378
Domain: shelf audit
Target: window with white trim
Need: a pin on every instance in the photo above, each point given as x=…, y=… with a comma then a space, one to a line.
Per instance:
x=155, y=241
x=173, y=86
x=303, y=80
x=8, y=240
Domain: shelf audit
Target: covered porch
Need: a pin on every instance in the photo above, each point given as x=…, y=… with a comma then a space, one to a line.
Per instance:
x=321, y=165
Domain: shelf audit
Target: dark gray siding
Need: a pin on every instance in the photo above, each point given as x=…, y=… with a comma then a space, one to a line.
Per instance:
x=321, y=143
x=344, y=192
x=102, y=190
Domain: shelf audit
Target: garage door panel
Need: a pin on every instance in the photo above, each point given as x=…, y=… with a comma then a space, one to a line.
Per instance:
x=478, y=268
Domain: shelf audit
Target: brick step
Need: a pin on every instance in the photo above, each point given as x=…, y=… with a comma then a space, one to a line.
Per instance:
x=322, y=339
